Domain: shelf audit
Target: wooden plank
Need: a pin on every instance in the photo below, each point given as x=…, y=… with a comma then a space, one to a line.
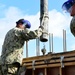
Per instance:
x=45, y=70
x=51, y=61
x=52, y=65
x=60, y=70
x=56, y=55
x=32, y=72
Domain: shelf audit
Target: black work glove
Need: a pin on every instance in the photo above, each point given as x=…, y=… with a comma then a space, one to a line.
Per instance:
x=41, y=26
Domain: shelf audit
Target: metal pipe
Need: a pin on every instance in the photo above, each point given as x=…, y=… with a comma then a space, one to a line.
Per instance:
x=37, y=46
x=26, y=49
x=51, y=42
x=64, y=40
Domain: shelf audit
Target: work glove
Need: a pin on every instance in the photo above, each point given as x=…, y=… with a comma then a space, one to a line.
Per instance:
x=41, y=26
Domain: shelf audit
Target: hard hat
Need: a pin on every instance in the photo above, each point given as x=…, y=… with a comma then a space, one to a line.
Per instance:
x=67, y=5
x=24, y=22
x=72, y=1
x=27, y=23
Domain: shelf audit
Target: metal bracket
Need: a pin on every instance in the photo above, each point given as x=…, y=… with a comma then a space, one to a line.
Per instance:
x=62, y=64
x=33, y=64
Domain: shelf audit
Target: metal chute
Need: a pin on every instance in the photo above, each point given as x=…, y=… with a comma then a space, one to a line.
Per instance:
x=44, y=19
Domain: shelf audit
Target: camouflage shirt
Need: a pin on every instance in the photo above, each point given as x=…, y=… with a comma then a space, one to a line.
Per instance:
x=72, y=26
x=12, y=49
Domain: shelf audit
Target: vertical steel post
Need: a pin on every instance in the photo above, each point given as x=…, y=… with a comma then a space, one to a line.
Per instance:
x=26, y=49
x=51, y=42
x=64, y=40
x=37, y=46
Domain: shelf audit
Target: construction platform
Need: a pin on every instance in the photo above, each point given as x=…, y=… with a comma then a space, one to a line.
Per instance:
x=51, y=64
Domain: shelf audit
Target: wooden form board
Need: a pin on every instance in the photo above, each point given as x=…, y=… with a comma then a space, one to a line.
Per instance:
x=50, y=60
x=51, y=64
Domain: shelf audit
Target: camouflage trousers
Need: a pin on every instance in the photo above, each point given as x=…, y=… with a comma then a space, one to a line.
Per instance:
x=11, y=70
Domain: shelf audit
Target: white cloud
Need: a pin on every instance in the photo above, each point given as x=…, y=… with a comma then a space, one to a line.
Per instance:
x=73, y=47
x=57, y=21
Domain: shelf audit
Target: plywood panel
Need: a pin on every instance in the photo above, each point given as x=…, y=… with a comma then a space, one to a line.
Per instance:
x=53, y=71
x=69, y=70
x=39, y=71
x=29, y=72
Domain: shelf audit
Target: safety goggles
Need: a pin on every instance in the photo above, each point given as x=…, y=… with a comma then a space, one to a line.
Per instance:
x=24, y=24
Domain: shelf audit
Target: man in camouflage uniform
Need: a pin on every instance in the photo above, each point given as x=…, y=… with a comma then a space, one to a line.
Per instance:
x=12, y=49
x=72, y=26
x=69, y=6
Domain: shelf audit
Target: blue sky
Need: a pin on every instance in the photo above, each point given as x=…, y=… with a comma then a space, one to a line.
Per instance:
x=11, y=11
